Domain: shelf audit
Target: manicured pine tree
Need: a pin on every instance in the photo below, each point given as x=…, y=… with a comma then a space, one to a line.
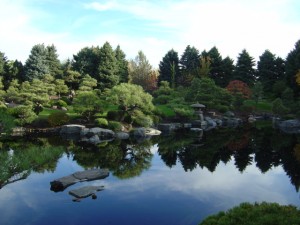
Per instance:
x=244, y=70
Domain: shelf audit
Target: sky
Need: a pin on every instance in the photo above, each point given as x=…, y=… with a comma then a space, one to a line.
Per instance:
x=154, y=27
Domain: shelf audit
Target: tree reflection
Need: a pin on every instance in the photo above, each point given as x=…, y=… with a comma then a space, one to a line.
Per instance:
x=18, y=159
x=265, y=147
x=123, y=159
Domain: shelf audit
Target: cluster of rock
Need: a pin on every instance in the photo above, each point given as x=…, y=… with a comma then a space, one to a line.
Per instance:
x=97, y=135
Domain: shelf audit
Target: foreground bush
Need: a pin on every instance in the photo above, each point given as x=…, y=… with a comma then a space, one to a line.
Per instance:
x=256, y=214
x=102, y=122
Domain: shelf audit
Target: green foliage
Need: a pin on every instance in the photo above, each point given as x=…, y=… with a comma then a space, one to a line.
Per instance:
x=184, y=112
x=23, y=114
x=140, y=119
x=107, y=77
x=257, y=91
x=115, y=126
x=6, y=122
x=114, y=115
x=86, y=104
x=87, y=83
x=244, y=70
x=169, y=68
x=190, y=62
x=256, y=214
x=164, y=111
x=61, y=103
x=122, y=65
x=262, y=106
x=131, y=97
x=278, y=108
x=102, y=122
x=58, y=118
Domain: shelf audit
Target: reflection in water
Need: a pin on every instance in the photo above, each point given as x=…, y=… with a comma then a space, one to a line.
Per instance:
x=173, y=179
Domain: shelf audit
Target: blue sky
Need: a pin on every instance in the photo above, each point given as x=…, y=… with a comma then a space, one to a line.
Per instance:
x=154, y=27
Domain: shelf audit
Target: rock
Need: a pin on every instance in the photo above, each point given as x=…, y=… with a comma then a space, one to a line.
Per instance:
x=152, y=131
x=64, y=109
x=85, y=191
x=168, y=127
x=228, y=114
x=94, y=139
x=71, y=129
x=122, y=135
x=87, y=175
x=139, y=132
x=210, y=122
x=194, y=129
x=103, y=133
x=290, y=126
x=219, y=122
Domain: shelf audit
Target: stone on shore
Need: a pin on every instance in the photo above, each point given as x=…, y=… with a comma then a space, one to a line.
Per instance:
x=86, y=191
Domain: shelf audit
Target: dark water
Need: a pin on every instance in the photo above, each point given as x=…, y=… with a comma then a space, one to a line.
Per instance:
x=166, y=180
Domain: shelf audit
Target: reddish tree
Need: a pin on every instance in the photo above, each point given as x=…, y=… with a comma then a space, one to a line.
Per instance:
x=237, y=86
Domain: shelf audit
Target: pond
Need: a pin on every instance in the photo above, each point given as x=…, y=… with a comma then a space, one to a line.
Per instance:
x=175, y=179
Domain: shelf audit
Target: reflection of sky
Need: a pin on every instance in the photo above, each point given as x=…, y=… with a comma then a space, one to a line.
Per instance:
x=161, y=195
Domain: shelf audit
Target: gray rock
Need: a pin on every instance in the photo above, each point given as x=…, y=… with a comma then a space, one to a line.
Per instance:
x=139, y=132
x=87, y=175
x=94, y=139
x=122, y=135
x=71, y=129
x=102, y=133
x=85, y=191
x=290, y=126
x=210, y=122
x=228, y=114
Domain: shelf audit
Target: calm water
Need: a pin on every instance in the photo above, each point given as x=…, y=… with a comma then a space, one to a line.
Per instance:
x=165, y=180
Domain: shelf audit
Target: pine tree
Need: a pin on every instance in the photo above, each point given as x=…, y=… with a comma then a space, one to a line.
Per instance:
x=122, y=65
x=169, y=68
x=216, y=66
x=292, y=67
x=107, y=76
x=227, y=72
x=36, y=65
x=53, y=61
x=244, y=70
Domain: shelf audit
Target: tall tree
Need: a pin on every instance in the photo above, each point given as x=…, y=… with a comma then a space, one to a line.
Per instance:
x=122, y=65
x=216, y=66
x=189, y=63
x=107, y=76
x=36, y=65
x=244, y=70
x=2, y=62
x=292, y=67
x=140, y=71
x=86, y=61
x=268, y=70
x=169, y=68
x=227, y=72
x=53, y=61
x=13, y=69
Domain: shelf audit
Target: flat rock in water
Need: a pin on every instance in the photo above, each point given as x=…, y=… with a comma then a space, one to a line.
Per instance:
x=87, y=175
x=85, y=191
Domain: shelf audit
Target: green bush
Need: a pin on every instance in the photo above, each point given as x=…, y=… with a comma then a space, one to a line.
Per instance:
x=256, y=214
x=140, y=119
x=66, y=100
x=115, y=126
x=222, y=108
x=58, y=118
x=61, y=103
x=114, y=115
x=102, y=122
x=128, y=119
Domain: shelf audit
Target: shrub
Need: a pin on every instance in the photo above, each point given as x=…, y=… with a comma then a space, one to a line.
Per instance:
x=115, y=125
x=66, y=100
x=61, y=103
x=58, y=118
x=114, y=115
x=102, y=122
x=128, y=119
x=253, y=214
x=140, y=119
x=222, y=108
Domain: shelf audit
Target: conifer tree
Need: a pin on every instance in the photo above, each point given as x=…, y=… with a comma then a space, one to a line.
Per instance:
x=122, y=65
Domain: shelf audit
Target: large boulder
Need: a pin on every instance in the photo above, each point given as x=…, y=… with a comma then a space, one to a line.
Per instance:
x=101, y=133
x=122, y=135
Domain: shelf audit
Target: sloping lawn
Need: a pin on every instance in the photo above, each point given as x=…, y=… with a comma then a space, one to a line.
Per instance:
x=261, y=106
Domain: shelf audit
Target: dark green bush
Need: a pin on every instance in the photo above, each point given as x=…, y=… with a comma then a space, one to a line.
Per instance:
x=128, y=119
x=58, y=118
x=222, y=108
x=61, y=103
x=115, y=126
x=256, y=214
x=114, y=115
x=66, y=100
x=102, y=122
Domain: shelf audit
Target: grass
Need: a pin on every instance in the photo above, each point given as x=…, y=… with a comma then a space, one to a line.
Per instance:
x=261, y=106
x=165, y=110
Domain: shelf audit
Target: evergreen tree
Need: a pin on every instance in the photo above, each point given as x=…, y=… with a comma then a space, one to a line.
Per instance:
x=107, y=76
x=36, y=65
x=70, y=76
x=227, y=72
x=122, y=65
x=190, y=64
x=87, y=61
x=267, y=70
x=244, y=70
x=13, y=70
x=216, y=66
x=292, y=67
x=140, y=71
x=2, y=62
x=169, y=68
x=53, y=61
